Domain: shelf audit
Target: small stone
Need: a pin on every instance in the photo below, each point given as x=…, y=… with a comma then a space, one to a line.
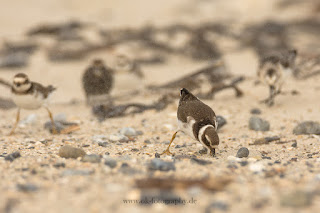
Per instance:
x=217, y=205
x=62, y=117
x=11, y=157
x=158, y=164
x=59, y=165
x=200, y=161
x=112, y=163
x=294, y=144
x=258, y=124
x=243, y=152
x=243, y=163
x=277, y=162
x=135, y=150
x=118, y=137
x=68, y=151
x=157, y=155
x=296, y=199
x=31, y=119
x=306, y=128
x=256, y=167
x=129, y=132
x=99, y=139
x=93, y=158
x=57, y=124
x=29, y=187
x=73, y=172
x=221, y=121
x=255, y=111
x=103, y=144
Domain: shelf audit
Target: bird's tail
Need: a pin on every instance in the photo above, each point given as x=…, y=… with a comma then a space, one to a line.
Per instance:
x=51, y=88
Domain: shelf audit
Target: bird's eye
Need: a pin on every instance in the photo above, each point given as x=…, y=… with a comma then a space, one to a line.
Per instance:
x=18, y=84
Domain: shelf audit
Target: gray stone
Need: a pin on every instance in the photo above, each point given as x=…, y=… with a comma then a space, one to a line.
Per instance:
x=200, y=161
x=29, y=187
x=112, y=163
x=68, y=151
x=99, y=139
x=307, y=127
x=255, y=111
x=11, y=157
x=258, y=124
x=129, y=132
x=60, y=117
x=243, y=152
x=221, y=121
x=73, y=172
x=93, y=158
x=118, y=137
x=158, y=164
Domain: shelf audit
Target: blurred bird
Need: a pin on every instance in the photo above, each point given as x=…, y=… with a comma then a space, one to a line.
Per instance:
x=30, y=95
x=197, y=120
x=274, y=70
x=97, y=81
x=126, y=64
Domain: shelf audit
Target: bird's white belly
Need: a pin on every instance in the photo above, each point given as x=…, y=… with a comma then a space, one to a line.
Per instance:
x=187, y=127
x=28, y=101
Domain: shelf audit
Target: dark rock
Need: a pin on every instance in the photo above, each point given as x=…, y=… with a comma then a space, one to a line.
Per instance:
x=11, y=157
x=73, y=172
x=180, y=146
x=68, y=151
x=255, y=111
x=243, y=163
x=200, y=161
x=243, y=152
x=158, y=164
x=157, y=155
x=294, y=144
x=135, y=150
x=103, y=144
x=221, y=121
x=277, y=162
x=112, y=163
x=29, y=187
x=307, y=127
x=258, y=124
x=59, y=165
x=93, y=158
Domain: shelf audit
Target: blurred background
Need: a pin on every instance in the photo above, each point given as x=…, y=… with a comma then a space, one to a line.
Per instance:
x=54, y=41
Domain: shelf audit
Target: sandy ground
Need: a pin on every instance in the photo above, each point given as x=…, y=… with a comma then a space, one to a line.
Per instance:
x=105, y=189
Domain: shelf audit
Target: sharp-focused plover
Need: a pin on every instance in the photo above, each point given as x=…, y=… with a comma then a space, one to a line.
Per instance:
x=30, y=95
x=273, y=71
x=97, y=81
x=197, y=120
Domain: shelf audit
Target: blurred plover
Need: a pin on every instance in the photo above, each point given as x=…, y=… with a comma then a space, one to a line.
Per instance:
x=273, y=71
x=197, y=120
x=30, y=95
x=97, y=81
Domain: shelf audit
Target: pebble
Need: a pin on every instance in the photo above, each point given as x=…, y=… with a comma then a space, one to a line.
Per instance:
x=258, y=124
x=307, y=127
x=129, y=132
x=255, y=111
x=118, y=137
x=256, y=167
x=294, y=144
x=112, y=163
x=99, y=139
x=93, y=158
x=11, y=157
x=31, y=119
x=296, y=199
x=221, y=121
x=59, y=165
x=200, y=161
x=58, y=125
x=73, y=172
x=158, y=164
x=217, y=205
x=157, y=155
x=243, y=152
x=68, y=151
x=29, y=187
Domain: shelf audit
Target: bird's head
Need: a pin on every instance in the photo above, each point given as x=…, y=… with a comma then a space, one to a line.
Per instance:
x=21, y=82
